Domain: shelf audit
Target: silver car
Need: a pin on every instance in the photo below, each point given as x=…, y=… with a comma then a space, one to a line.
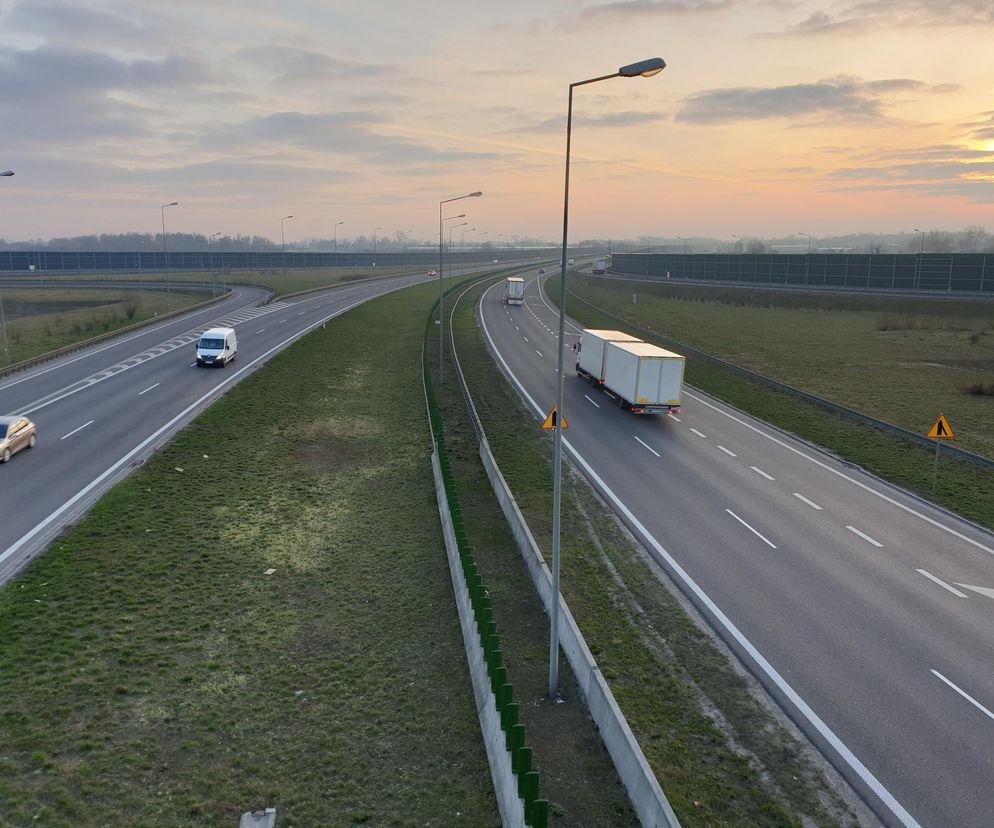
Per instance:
x=16, y=433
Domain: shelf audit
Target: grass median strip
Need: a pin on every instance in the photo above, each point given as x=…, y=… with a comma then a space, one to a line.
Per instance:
x=154, y=670
x=720, y=755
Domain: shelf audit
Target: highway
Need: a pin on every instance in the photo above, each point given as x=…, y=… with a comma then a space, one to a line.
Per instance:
x=865, y=611
x=103, y=411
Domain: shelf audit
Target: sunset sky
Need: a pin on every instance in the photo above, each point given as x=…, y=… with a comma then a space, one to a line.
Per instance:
x=772, y=117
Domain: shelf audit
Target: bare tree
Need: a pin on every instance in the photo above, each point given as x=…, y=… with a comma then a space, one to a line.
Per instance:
x=756, y=246
x=132, y=301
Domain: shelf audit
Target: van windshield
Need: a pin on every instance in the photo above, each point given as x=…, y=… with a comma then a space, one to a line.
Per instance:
x=212, y=344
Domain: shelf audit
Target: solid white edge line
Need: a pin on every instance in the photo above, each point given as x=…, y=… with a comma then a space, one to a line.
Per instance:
x=863, y=535
x=729, y=452
x=70, y=434
x=964, y=694
x=942, y=583
x=649, y=447
x=595, y=404
x=699, y=433
x=795, y=699
x=803, y=499
x=761, y=473
x=40, y=527
x=845, y=476
x=149, y=389
x=747, y=526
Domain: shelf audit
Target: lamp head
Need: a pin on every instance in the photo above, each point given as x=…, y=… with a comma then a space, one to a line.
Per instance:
x=644, y=68
x=6, y=173
x=476, y=194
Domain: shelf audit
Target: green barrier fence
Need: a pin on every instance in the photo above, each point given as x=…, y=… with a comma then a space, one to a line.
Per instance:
x=502, y=691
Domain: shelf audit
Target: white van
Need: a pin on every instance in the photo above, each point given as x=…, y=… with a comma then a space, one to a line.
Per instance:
x=217, y=346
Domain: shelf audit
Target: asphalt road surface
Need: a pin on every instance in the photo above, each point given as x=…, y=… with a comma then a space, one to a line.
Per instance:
x=102, y=412
x=865, y=611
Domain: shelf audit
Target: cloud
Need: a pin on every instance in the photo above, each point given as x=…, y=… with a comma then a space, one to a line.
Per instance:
x=627, y=11
x=360, y=133
x=612, y=119
x=872, y=15
x=841, y=97
x=290, y=64
x=66, y=96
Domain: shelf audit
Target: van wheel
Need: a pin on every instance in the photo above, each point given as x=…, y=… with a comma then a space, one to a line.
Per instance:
x=32, y=441
x=6, y=456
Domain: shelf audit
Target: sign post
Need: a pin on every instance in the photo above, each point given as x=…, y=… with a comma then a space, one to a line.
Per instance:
x=941, y=430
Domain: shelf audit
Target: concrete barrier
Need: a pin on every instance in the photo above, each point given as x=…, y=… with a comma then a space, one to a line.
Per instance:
x=646, y=795
x=505, y=784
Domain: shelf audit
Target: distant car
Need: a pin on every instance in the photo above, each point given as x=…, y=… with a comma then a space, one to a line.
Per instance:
x=16, y=433
x=432, y=274
x=541, y=270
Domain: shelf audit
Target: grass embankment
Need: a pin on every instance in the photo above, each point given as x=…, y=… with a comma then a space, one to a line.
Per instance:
x=39, y=321
x=720, y=756
x=902, y=360
x=152, y=673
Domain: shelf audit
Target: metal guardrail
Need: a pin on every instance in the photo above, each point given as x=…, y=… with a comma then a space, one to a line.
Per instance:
x=828, y=405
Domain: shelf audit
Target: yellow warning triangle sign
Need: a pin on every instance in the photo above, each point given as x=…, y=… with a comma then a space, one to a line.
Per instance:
x=550, y=421
x=941, y=430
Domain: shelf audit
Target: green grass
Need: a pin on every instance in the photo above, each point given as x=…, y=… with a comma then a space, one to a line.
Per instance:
x=772, y=336
x=39, y=321
x=152, y=674
x=719, y=754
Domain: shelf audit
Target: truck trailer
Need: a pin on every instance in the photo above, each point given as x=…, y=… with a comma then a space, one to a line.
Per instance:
x=591, y=352
x=514, y=290
x=600, y=266
x=643, y=378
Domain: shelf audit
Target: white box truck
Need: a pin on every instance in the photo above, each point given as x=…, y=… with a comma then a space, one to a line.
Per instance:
x=217, y=347
x=591, y=351
x=644, y=378
x=600, y=266
x=514, y=290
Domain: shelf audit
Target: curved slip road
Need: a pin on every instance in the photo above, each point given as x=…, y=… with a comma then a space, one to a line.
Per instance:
x=868, y=613
x=103, y=411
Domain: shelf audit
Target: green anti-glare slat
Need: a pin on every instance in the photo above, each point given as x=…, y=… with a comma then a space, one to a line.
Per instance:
x=540, y=813
x=521, y=758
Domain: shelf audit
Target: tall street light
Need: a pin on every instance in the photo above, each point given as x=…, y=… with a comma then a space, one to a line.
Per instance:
x=740, y=254
x=441, y=296
x=283, y=241
x=918, y=264
x=807, y=261
x=461, y=224
x=3, y=319
x=462, y=249
x=646, y=69
x=336, y=240
x=210, y=244
x=374, y=245
x=479, y=245
x=165, y=253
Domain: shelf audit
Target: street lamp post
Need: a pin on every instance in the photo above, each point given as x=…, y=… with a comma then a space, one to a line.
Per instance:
x=461, y=224
x=336, y=241
x=918, y=264
x=646, y=68
x=462, y=248
x=479, y=246
x=441, y=296
x=807, y=261
x=3, y=319
x=283, y=244
x=374, y=245
x=740, y=254
x=210, y=244
x=681, y=238
x=165, y=253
